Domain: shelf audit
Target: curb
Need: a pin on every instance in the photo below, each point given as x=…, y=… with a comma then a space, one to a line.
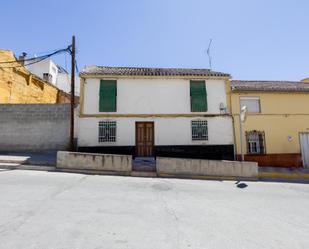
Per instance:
x=28, y=167
x=201, y=177
x=92, y=171
x=261, y=175
x=275, y=175
x=40, y=163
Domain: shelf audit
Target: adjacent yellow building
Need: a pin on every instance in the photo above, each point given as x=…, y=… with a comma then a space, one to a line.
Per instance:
x=19, y=86
x=276, y=131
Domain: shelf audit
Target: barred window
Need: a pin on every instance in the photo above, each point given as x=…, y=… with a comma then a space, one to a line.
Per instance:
x=199, y=130
x=255, y=142
x=107, y=131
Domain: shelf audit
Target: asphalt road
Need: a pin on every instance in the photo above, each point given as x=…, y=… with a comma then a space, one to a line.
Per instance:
x=43, y=210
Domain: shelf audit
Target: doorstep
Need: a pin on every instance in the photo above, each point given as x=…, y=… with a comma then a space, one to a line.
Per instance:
x=144, y=164
x=144, y=174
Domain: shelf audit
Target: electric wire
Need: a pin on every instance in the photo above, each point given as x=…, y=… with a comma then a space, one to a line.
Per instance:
x=35, y=59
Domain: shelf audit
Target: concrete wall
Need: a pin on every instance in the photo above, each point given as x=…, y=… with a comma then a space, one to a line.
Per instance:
x=168, y=131
x=90, y=161
x=34, y=127
x=195, y=167
x=154, y=96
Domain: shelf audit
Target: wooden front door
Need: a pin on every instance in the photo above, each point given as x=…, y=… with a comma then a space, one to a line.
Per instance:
x=144, y=139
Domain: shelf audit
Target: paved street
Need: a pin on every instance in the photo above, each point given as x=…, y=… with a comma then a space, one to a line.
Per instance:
x=61, y=211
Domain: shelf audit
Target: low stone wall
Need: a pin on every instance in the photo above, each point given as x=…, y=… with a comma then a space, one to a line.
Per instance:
x=120, y=164
x=194, y=168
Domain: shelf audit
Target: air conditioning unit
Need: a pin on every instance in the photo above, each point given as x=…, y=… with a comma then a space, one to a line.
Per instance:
x=47, y=77
x=222, y=108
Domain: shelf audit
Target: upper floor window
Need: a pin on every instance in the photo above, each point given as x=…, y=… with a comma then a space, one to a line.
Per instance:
x=198, y=96
x=108, y=96
x=252, y=103
x=255, y=142
x=107, y=131
x=199, y=130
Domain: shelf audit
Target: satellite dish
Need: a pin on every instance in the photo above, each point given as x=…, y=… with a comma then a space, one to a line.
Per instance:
x=243, y=113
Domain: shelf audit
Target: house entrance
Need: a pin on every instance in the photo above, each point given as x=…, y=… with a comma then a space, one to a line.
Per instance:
x=144, y=135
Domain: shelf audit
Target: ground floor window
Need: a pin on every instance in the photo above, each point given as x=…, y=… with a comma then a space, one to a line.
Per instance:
x=107, y=131
x=199, y=130
x=255, y=142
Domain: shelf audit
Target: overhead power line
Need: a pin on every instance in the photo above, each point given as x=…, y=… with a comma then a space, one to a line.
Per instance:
x=35, y=59
x=76, y=67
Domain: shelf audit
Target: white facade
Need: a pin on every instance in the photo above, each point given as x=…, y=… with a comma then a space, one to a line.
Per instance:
x=45, y=66
x=154, y=96
x=167, y=131
x=148, y=99
x=64, y=83
x=59, y=77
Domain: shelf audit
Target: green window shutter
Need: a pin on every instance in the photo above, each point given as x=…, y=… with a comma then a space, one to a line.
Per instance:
x=198, y=96
x=108, y=96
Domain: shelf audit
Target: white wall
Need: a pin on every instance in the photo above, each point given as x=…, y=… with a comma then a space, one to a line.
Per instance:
x=168, y=131
x=45, y=66
x=61, y=80
x=64, y=83
x=158, y=96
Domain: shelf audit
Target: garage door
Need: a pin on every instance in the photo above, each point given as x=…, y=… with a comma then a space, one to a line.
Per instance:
x=304, y=143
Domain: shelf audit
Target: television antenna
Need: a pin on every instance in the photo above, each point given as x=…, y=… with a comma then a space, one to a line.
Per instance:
x=208, y=53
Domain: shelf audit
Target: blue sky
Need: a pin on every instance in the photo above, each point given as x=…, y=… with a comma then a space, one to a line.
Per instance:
x=252, y=39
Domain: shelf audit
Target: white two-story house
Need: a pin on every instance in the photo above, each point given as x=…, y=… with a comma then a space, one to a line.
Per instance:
x=149, y=112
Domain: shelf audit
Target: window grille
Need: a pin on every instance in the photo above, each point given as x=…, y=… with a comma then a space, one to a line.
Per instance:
x=255, y=142
x=107, y=131
x=199, y=130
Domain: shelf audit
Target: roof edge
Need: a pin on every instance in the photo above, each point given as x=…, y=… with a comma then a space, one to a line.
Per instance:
x=89, y=75
x=153, y=72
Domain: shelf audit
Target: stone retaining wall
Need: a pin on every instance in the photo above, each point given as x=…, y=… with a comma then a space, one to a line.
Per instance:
x=121, y=164
x=195, y=168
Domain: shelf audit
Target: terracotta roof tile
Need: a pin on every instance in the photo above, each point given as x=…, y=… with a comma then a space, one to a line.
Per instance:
x=269, y=86
x=142, y=71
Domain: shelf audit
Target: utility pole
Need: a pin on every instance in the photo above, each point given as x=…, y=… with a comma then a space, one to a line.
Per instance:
x=72, y=147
